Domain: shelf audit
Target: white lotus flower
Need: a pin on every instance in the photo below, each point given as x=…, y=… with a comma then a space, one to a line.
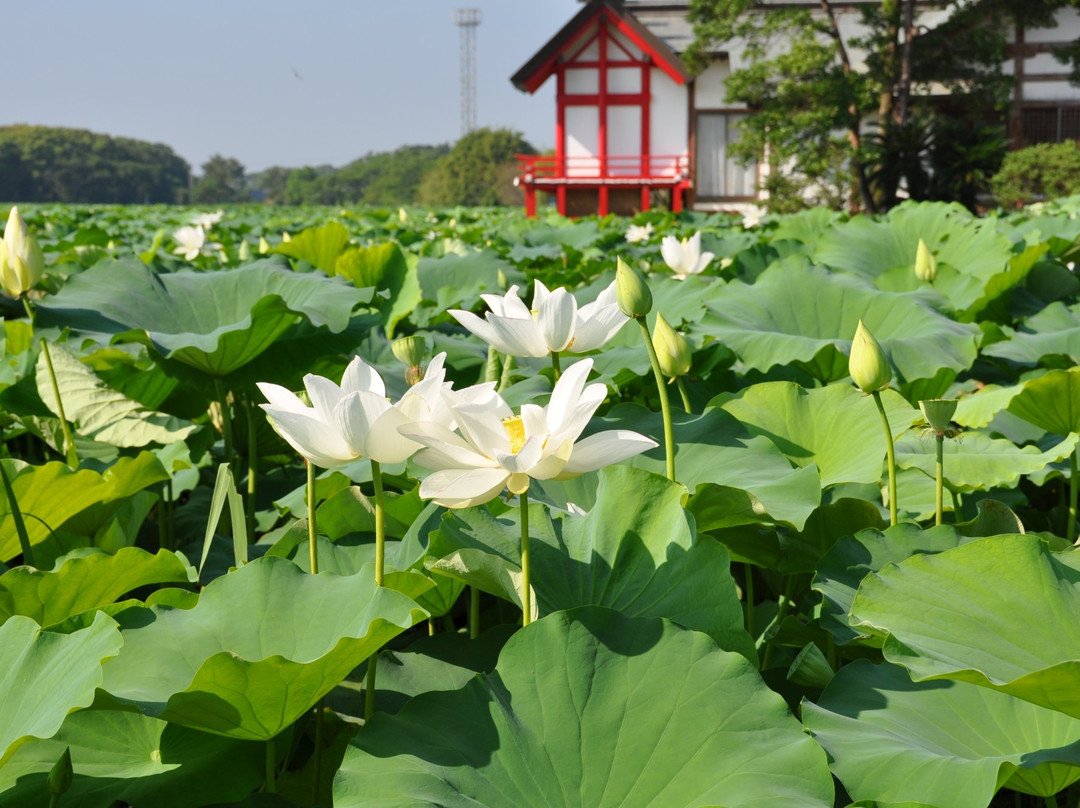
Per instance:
x=192, y=243
x=497, y=449
x=354, y=419
x=685, y=257
x=752, y=217
x=636, y=233
x=555, y=323
x=207, y=220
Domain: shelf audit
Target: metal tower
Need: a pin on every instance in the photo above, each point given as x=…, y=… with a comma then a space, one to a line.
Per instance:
x=468, y=19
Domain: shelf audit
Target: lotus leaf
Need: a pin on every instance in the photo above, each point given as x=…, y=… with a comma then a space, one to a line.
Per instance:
x=1002, y=612
x=215, y=322
x=122, y=756
x=1051, y=401
x=645, y=561
x=591, y=709
x=941, y=743
x=1054, y=331
x=47, y=675
x=251, y=678
x=87, y=582
x=319, y=246
x=386, y=269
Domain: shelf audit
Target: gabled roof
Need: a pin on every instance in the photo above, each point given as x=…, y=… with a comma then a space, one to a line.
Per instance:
x=537, y=70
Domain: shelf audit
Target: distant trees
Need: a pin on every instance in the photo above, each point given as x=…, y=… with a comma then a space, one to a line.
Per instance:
x=479, y=170
x=222, y=180
x=49, y=164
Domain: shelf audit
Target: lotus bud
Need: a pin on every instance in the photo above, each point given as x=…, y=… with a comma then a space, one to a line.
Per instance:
x=22, y=262
x=631, y=291
x=285, y=237
x=264, y=245
x=501, y=279
x=938, y=412
x=867, y=363
x=244, y=253
x=60, y=774
x=925, y=263
x=672, y=349
x=403, y=215
x=411, y=352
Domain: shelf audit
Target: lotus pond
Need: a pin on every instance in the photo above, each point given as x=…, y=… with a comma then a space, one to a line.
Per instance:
x=400, y=508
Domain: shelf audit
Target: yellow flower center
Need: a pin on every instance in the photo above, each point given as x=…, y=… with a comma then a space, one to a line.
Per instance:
x=515, y=430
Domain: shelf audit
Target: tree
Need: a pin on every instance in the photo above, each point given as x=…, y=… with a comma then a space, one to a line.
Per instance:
x=222, y=180
x=479, y=170
x=810, y=89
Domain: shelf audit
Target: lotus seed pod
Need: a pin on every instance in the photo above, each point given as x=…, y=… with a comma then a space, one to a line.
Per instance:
x=938, y=412
x=672, y=349
x=925, y=263
x=60, y=775
x=867, y=363
x=631, y=291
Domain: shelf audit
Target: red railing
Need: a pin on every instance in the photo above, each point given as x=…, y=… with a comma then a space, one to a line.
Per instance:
x=542, y=167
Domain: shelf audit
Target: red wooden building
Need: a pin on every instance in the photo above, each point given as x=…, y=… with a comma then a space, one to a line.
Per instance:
x=621, y=130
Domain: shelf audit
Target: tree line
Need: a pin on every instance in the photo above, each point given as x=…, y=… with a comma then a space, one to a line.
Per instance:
x=51, y=164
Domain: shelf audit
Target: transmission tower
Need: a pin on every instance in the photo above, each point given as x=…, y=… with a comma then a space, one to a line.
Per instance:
x=468, y=19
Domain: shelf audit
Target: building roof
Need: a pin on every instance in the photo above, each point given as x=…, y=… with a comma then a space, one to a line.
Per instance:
x=537, y=70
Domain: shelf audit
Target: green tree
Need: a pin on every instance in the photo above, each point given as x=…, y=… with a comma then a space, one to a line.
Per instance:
x=222, y=180
x=271, y=184
x=479, y=170
x=804, y=93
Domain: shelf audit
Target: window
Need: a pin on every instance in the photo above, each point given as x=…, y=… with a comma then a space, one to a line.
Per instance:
x=718, y=176
x=1050, y=124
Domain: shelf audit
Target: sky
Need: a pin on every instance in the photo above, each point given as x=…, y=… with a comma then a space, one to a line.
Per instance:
x=273, y=82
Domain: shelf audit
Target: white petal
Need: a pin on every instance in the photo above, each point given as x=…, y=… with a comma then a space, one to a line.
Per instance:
x=558, y=316
x=280, y=398
x=602, y=324
x=514, y=307
x=356, y=414
x=324, y=395
x=564, y=397
x=672, y=251
x=606, y=448
x=359, y=375
x=527, y=457
x=534, y=419
x=483, y=428
x=385, y=444
x=319, y=442
x=481, y=328
x=540, y=294
x=575, y=421
x=462, y=488
x=446, y=449
x=522, y=337
x=552, y=465
x=703, y=261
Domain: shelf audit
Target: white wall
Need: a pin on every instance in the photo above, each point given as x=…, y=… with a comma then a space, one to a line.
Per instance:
x=668, y=124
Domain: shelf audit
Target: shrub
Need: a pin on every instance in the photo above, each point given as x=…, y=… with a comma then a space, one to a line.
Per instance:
x=1043, y=171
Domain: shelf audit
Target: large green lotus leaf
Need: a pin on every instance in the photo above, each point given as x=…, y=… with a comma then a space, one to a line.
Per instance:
x=1054, y=331
x=818, y=426
x=979, y=409
x=49, y=495
x=319, y=246
x=591, y=709
x=82, y=583
x=978, y=462
x=852, y=558
x=99, y=412
x=941, y=743
x=645, y=561
x=1002, y=612
x=213, y=321
x=457, y=281
x=802, y=551
x=714, y=447
x=802, y=314
x=262, y=645
x=870, y=247
x=1051, y=402
x=134, y=759
x=44, y=675
x=392, y=274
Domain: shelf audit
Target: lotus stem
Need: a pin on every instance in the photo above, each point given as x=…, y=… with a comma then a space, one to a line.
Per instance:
x=507, y=373
x=1051, y=801
x=54, y=800
x=555, y=364
x=955, y=505
x=682, y=393
x=891, y=452
x=526, y=590
x=226, y=418
x=431, y=627
x=70, y=453
x=783, y=604
x=491, y=366
x=270, y=786
x=940, y=479
x=748, y=590
x=313, y=544
x=665, y=406
x=253, y=465
x=380, y=522
x=16, y=516
x=1073, y=484
x=170, y=530
x=474, y=612
x=369, y=687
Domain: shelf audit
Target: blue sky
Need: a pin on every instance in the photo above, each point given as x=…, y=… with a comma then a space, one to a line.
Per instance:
x=218, y=77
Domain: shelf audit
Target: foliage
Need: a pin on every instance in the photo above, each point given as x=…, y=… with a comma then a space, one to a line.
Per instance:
x=1039, y=172
x=222, y=181
x=479, y=170
x=48, y=164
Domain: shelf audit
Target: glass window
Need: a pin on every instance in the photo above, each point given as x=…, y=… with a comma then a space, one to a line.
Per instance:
x=718, y=176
